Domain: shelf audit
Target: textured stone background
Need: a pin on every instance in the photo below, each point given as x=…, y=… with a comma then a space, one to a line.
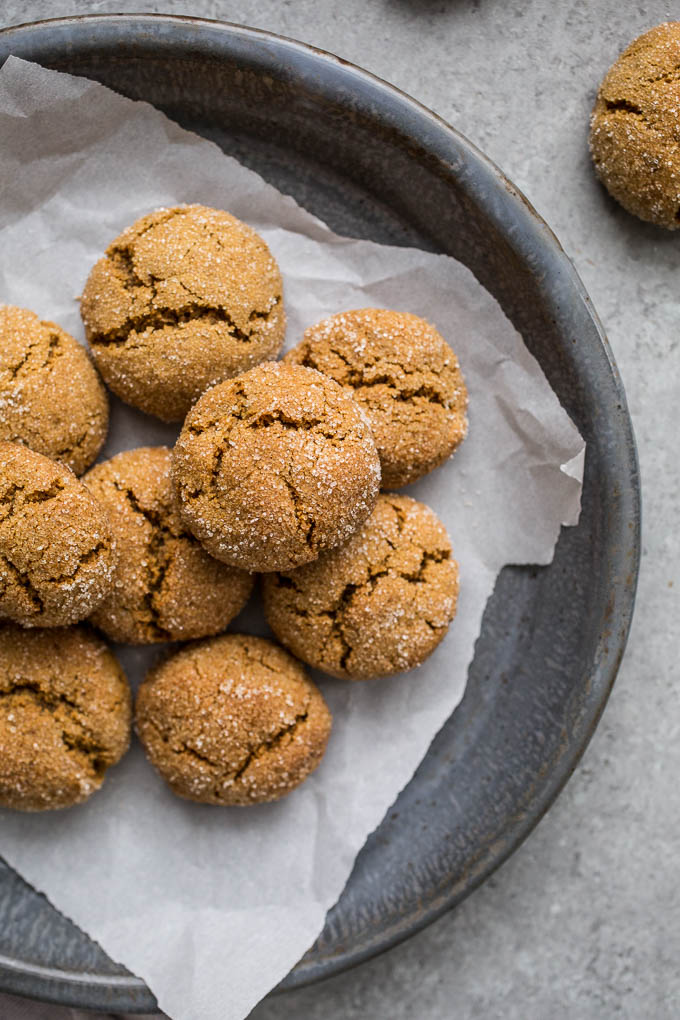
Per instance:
x=584, y=921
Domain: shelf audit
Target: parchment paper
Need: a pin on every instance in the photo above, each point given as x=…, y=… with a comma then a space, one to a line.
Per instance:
x=212, y=907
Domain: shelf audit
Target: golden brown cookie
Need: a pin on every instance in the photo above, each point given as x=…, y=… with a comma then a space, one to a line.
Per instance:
x=184, y=298
x=635, y=127
x=379, y=604
x=64, y=716
x=166, y=587
x=232, y=720
x=56, y=555
x=404, y=375
x=275, y=466
x=51, y=398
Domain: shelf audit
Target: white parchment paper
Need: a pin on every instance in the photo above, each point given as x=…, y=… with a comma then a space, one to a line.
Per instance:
x=212, y=906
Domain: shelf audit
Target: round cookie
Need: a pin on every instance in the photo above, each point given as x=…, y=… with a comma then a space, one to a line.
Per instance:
x=275, y=466
x=165, y=587
x=51, y=398
x=635, y=127
x=56, y=551
x=232, y=720
x=406, y=378
x=64, y=716
x=184, y=298
x=378, y=605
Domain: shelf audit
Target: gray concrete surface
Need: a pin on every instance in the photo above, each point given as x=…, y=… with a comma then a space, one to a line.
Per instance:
x=584, y=921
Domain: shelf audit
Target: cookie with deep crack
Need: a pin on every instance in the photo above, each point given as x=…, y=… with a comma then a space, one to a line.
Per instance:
x=635, y=126
x=184, y=298
x=56, y=550
x=64, y=716
x=402, y=372
x=232, y=720
x=166, y=587
x=51, y=398
x=275, y=466
x=380, y=604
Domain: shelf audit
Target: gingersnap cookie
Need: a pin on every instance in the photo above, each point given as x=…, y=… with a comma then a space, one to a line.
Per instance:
x=232, y=720
x=275, y=466
x=184, y=298
x=56, y=555
x=165, y=587
x=379, y=604
x=51, y=398
x=406, y=378
x=64, y=716
x=635, y=127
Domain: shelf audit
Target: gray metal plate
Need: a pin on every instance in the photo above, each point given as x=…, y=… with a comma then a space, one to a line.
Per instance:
x=373, y=163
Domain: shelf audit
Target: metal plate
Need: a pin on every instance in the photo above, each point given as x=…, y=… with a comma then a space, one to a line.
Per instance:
x=374, y=163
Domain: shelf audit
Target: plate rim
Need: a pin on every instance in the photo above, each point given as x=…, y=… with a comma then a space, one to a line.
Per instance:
x=131, y=994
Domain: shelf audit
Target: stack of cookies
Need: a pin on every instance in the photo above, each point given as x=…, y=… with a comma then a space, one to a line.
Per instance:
x=277, y=471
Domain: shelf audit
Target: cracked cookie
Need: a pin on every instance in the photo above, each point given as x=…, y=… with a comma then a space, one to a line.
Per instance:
x=64, y=716
x=232, y=720
x=275, y=466
x=379, y=604
x=406, y=378
x=635, y=126
x=56, y=553
x=51, y=398
x=165, y=587
x=184, y=298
